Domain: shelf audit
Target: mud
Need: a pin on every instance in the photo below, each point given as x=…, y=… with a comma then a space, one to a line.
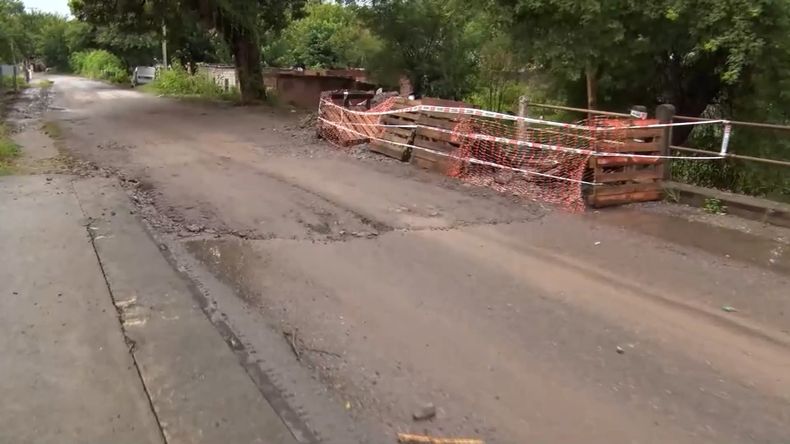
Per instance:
x=394, y=288
x=771, y=253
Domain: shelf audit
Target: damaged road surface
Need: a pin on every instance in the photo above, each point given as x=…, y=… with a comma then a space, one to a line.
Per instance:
x=353, y=291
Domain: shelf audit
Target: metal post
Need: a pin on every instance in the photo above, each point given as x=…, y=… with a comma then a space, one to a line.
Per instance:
x=523, y=110
x=665, y=114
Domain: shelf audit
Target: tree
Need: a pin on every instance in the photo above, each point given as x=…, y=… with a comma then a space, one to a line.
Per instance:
x=14, y=37
x=50, y=40
x=434, y=42
x=329, y=35
x=675, y=51
x=239, y=22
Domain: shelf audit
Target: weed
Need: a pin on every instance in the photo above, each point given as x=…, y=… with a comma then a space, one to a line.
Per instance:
x=714, y=206
x=7, y=82
x=176, y=81
x=671, y=195
x=8, y=151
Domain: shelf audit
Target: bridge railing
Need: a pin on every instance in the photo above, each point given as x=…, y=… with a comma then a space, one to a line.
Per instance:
x=756, y=161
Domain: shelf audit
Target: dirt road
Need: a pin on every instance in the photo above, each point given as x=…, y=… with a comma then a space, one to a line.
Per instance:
x=361, y=288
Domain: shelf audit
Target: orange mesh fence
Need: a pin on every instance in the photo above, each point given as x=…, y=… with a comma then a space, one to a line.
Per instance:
x=541, y=160
x=530, y=160
x=345, y=127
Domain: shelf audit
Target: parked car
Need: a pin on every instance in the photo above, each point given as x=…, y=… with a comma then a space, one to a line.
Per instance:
x=142, y=75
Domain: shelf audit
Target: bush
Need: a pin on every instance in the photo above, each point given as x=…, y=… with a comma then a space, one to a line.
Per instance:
x=176, y=81
x=7, y=82
x=99, y=64
x=8, y=150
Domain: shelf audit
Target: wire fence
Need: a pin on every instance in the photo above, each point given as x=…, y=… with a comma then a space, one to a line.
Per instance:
x=542, y=159
x=757, y=161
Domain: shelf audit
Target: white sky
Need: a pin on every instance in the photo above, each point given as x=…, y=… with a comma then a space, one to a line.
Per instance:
x=58, y=6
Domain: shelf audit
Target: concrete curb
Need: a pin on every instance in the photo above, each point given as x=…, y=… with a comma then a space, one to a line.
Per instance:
x=748, y=207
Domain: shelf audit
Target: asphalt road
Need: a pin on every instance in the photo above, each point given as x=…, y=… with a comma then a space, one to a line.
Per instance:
x=395, y=287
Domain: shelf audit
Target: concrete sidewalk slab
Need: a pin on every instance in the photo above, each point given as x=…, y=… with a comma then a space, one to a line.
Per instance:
x=198, y=388
x=66, y=375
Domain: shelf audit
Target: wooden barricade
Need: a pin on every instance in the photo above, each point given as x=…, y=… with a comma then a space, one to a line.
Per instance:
x=404, y=136
x=624, y=179
x=433, y=140
x=360, y=123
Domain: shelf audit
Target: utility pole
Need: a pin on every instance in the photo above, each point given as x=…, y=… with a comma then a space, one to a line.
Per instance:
x=13, y=60
x=164, y=45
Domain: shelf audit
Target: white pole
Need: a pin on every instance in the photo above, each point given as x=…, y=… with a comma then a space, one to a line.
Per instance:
x=164, y=45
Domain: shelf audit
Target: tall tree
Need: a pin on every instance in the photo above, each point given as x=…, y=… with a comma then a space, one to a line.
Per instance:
x=434, y=42
x=675, y=51
x=330, y=35
x=239, y=22
x=15, y=41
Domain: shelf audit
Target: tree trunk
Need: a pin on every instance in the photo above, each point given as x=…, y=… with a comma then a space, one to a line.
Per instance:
x=247, y=58
x=592, y=87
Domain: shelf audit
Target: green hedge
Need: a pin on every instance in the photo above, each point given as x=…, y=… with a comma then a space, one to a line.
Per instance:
x=99, y=64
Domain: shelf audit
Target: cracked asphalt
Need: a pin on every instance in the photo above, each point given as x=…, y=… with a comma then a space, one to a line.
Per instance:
x=360, y=288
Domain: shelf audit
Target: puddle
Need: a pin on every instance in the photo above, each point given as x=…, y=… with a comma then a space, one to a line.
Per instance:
x=27, y=108
x=769, y=253
x=232, y=261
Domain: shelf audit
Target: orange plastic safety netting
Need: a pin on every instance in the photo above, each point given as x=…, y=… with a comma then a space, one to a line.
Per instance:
x=544, y=161
x=346, y=127
x=530, y=159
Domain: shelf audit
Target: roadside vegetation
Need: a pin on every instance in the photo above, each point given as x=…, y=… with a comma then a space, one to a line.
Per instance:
x=722, y=59
x=178, y=82
x=8, y=151
x=7, y=82
x=99, y=64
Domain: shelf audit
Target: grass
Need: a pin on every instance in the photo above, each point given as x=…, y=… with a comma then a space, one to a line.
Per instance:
x=714, y=206
x=177, y=82
x=45, y=84
x=7, y=82
x=8, y=151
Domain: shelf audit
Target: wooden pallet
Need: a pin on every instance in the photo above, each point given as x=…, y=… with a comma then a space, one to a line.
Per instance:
x=436, y=140
x=629, y=179
x=400, y=136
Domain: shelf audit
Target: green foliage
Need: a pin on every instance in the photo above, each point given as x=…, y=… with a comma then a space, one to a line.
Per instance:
x=8, y=150
x=328, y=36
x=176, y=81
x=14, y=37
x=434, y=42
x=99, y=64
x=714, y=206
x=7, y=82
x=675, y=51
x=498, y=87
x=50, y=44
x=131, y=47
x=239, y=22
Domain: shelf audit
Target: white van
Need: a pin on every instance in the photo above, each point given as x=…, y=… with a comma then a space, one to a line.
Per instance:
x=143, y=75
